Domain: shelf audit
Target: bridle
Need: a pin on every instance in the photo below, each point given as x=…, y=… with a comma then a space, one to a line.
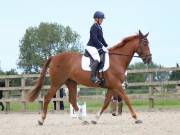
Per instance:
x=142, y=43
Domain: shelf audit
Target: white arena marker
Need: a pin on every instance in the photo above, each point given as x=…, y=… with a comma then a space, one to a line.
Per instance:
x=81, y=113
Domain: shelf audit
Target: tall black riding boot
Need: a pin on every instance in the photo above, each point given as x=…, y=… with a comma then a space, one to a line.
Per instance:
x=94, y=67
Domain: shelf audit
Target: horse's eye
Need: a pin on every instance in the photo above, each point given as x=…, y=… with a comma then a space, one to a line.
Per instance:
x=145, y=42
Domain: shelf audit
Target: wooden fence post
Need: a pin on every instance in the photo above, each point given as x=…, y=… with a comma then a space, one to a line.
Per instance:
x=40, y=101
x=57, y=102
x=23, y=94
x=7, y=95
x=151, y=96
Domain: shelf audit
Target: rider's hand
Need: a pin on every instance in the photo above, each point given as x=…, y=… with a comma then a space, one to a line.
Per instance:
x=101, y=51
x=105, y=49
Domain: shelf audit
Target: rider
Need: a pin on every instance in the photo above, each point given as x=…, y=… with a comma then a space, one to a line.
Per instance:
x=96, y=44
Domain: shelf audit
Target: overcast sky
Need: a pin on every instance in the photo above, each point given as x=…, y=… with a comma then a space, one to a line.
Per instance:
x=123, y=18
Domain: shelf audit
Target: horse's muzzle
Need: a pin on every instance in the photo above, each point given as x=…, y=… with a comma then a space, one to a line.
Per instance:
x=147, y=59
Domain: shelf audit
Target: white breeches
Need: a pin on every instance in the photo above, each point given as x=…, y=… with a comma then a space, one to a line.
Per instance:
x=93, y=52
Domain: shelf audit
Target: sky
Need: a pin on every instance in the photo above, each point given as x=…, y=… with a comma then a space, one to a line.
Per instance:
x=161, y=18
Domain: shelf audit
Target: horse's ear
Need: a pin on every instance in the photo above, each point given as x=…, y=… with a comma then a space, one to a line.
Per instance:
x=146, y=35
x=140, y=33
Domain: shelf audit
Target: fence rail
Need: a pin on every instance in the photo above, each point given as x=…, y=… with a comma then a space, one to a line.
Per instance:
x=23, y=89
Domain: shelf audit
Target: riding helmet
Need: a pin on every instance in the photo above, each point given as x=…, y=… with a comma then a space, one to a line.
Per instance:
x=99, y=14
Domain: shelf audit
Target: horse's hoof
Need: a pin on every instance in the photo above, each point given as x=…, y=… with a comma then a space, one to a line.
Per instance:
x=40, y=123
x=85, y=122
x=93, y=122
x=80, y=118
x=138, y=121
x=114, y=114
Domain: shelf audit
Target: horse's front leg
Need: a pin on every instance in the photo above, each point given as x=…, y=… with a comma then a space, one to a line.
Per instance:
x=123, y=95
x=105, y=105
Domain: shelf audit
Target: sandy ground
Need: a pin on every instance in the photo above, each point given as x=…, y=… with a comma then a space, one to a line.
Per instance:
x=154, y=123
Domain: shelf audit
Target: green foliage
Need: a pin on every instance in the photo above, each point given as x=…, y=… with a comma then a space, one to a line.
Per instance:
x=137, y=90
x=13, y=82
x=10, y=72
x=141, y=77
x=175, y=75
x=48, y=39
x=1, y=72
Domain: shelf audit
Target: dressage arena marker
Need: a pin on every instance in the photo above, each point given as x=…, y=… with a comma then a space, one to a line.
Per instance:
x=82, y=111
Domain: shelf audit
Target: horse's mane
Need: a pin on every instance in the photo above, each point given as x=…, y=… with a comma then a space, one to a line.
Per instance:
x=123, y=42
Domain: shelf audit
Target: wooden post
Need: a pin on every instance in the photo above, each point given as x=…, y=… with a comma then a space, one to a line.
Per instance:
x=40, y=101
x=23, y=94
x=178, y=88
x=58, y=102
x=7, y=96
x=151, y=97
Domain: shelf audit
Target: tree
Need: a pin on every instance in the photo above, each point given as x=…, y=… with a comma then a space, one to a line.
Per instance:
x=10, y=72
x=1, y=72
x=142, y=77
x=175, y=75
x=159, y=76
x=13, y=82
x=48, y=39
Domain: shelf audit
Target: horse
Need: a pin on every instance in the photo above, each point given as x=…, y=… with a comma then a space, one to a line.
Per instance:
x=65, y=68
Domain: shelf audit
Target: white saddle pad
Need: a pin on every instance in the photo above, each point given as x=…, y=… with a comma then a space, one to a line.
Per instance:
x=85, y=62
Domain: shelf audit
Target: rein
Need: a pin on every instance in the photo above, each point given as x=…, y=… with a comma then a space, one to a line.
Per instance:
x=123, y=54
x=141, y=48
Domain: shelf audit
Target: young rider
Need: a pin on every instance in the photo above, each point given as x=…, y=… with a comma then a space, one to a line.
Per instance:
x=96, y=44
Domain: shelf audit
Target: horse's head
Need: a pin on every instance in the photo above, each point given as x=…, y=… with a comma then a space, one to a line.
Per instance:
x=143, y=49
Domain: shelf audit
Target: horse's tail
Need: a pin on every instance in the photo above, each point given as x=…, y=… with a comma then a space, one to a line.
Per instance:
x=33, y=94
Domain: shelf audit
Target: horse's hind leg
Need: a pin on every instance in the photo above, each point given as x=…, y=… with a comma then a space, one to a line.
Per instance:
x=47, y=99
x=56, y=83
x=72, y=87
x=105, y=105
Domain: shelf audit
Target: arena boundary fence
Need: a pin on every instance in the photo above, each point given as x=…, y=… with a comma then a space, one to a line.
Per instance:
x=151, y=96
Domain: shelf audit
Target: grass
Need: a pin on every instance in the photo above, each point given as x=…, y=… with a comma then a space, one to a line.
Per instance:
x=158, y=104
x=95, y=105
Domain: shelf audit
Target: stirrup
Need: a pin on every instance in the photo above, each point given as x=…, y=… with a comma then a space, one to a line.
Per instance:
x=97, y=81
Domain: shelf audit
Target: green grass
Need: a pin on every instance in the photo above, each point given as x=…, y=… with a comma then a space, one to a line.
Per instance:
x=32, y=107
x=94, y=105
x=168, y=103
x=158, y=104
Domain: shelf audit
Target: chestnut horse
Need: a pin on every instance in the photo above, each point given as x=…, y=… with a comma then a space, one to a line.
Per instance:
x=65, y=68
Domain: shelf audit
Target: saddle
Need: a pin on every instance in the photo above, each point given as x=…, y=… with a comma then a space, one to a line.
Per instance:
x=100, y=66
x=102, y=59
